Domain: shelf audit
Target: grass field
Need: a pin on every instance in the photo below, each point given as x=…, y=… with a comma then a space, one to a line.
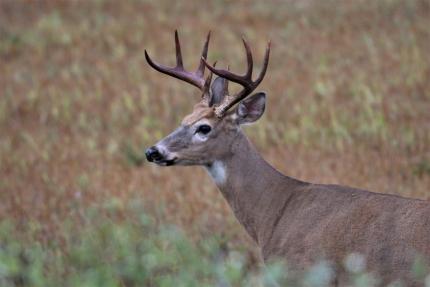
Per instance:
x=348, y=102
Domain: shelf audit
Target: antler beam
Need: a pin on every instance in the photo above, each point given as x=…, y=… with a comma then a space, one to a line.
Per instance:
x=244, y=80
x=195, y=78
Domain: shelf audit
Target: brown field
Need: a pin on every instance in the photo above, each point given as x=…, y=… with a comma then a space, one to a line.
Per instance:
x=348, y=101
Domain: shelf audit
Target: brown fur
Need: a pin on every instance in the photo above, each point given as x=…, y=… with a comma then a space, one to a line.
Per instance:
x=200, y=111
x=299, y=221
x=304, y=222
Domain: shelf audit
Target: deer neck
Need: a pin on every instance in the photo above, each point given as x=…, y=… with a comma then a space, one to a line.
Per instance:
x=255, y=190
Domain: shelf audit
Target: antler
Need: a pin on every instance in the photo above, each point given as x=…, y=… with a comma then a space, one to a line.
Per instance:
x=195, y=78
x=244, y=80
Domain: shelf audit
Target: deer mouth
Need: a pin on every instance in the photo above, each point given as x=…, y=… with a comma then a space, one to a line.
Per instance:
x=166, y=162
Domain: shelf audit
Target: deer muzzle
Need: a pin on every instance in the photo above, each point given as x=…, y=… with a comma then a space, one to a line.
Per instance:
x=155, y=155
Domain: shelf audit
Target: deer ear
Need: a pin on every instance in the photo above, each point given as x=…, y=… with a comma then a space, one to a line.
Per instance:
x=219, y=89
x=251, y=109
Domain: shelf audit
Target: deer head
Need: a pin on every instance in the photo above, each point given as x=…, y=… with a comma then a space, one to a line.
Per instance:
x=208, y=133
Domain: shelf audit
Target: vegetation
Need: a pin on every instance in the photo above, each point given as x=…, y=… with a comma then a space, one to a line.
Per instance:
x=348, y=102
x=107, y=251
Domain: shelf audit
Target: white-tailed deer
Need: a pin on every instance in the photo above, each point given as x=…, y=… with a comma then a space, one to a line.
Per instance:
x=288, y=218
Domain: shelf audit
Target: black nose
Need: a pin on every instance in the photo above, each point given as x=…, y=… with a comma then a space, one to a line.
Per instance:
x=152, y=154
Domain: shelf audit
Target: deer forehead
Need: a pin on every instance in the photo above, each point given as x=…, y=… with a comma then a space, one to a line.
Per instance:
x=199, y=112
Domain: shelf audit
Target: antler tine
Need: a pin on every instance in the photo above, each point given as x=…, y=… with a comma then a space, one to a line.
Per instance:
x=207, y=83
x=265, y=64
x=201, y=69
x=194, y=78
x=179, y=64
x=226, y=82
x=244, y=80
x=248, y=59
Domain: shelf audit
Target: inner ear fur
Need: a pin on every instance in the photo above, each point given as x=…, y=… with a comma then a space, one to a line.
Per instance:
x=219, y=90
x=251, y=109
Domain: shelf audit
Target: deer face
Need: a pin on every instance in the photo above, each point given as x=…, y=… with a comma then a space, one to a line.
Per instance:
x=203, y=138
x=208, y=133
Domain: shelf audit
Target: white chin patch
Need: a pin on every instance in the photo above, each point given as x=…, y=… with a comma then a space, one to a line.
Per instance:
x=218, y=172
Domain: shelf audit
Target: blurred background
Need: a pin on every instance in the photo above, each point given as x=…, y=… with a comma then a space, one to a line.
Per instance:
x=348, y=102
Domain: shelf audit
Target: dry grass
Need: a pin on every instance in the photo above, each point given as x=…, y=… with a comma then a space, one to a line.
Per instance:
x=348, y=85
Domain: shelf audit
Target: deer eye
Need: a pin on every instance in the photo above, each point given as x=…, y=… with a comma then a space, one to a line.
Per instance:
x=203, y=129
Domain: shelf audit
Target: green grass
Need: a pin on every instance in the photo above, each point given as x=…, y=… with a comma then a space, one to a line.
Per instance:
x=106, y=251
x=134, y=253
